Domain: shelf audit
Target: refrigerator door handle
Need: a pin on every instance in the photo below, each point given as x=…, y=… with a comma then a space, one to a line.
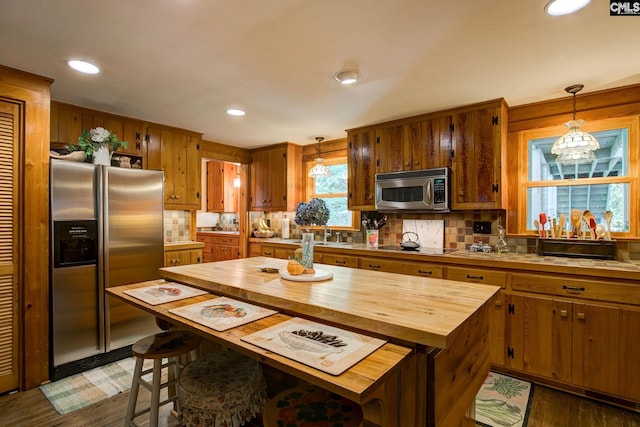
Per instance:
x=103, y=258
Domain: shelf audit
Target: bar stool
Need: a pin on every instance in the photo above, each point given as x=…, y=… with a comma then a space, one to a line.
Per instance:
x=223, y=389
x=308, y=404
x=165, y=345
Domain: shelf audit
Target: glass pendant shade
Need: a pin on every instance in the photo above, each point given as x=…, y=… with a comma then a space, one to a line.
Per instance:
x=319, y=169
x=575, y=146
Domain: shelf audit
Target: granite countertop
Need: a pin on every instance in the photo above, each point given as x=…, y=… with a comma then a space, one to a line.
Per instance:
x=628, y=270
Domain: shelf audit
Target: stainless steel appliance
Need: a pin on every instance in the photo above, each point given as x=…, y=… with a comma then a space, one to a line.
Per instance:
x=106, y=230
x=425, y=190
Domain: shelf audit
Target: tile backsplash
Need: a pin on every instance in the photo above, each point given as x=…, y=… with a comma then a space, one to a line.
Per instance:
x=458, y=231
x=176, y=226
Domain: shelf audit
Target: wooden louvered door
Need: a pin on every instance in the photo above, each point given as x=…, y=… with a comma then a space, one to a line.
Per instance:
x=9, y=120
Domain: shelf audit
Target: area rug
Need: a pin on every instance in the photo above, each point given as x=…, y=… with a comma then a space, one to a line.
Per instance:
x=503, y=401
x=83, y=389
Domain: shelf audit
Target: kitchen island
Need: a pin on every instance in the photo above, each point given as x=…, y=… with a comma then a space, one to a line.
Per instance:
x=428, y=372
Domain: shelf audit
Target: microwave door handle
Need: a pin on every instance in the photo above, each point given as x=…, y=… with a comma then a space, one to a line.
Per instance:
x=429, y=192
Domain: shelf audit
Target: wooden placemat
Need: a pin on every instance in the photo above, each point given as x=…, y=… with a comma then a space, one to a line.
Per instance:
x=331, y=350
x=163, y=291
x=222, y=313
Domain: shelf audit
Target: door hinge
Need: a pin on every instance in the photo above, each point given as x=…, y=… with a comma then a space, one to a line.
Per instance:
x=349, y=195
x=511, y=309
x=452, y=127
x=453, y=153
x=198, y=147
x=510, y=353
x=494, y=188
x=377, y=162
x=350, y=144
x=377, y=140
x=494, y=120
x=147, y=137
x=197, y=194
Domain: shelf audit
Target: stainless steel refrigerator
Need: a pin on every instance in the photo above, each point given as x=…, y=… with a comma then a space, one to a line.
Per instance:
x=106, y=230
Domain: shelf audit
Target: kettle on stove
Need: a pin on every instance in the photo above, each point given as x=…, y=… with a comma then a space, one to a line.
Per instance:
x=410, y=241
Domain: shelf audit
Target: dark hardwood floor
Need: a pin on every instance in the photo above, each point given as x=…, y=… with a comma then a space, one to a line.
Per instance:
x=550, y=408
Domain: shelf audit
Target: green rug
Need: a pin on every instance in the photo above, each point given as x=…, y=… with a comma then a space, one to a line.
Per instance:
x=503, y=401
x=80, y=390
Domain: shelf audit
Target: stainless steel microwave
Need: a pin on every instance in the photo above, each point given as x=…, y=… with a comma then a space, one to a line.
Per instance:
x=424, y=190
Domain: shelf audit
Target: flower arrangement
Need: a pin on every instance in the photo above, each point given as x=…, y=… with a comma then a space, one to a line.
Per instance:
x=91, y=140
x=315, y=212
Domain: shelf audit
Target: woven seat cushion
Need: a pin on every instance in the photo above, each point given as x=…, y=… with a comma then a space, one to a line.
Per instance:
x=311, y=406
x=221, y=390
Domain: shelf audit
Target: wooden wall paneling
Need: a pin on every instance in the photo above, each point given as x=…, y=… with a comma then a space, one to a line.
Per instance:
x=33, y=93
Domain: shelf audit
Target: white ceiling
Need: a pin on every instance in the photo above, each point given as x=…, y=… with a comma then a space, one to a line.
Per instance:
x=184, y=62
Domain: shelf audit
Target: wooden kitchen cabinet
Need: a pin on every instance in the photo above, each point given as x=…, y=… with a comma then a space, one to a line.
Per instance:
x=497, y=347
x=573, y=339
x=427, y=144
x=215, y=186
x=389, y=150
x=478, y=151
x=219, y=247
x=362, y=169
x=276, y=178
x=68, y=122
x=182, y=257
x=177, y=153
x=222, y=196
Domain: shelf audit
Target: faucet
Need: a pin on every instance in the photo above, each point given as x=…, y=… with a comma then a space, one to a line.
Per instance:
x=327, y=234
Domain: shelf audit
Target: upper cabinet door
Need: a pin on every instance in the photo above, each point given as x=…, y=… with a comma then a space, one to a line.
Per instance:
x=215, y=186
x=389, y=151
x=276, y=178
x=178, y=155
x=477, y=164
x=362, y=170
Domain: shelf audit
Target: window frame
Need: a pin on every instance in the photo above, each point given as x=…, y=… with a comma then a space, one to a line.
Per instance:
x=310, y=185
x=630, y=123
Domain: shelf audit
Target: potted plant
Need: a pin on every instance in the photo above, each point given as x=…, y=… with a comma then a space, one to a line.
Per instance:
x=99, y=143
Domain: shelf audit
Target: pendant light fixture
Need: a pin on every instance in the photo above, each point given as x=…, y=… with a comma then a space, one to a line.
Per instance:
x=236, y=181
x=575, y=146
x=319, y=169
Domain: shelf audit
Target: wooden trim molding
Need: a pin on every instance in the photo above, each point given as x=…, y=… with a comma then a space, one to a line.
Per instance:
x=33, y=94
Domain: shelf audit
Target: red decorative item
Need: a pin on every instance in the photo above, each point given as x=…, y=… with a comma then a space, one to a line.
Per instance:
x=543, y=221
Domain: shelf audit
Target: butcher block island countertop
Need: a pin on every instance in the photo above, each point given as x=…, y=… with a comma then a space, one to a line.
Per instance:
x=427, y=374
x=419, y=310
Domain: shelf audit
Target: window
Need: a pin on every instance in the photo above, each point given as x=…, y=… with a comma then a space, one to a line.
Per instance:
x=333, y=190
x=605, y=183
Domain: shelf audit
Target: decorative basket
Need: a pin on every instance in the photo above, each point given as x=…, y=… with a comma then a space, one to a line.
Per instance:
x=268, y=233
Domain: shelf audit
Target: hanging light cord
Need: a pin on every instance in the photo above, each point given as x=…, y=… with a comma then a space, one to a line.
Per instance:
x=319, y=139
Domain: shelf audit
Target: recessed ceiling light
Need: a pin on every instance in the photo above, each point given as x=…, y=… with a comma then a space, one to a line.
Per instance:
x=564, y=7
x=83, y=66
x=347, y=77
x=235, y=112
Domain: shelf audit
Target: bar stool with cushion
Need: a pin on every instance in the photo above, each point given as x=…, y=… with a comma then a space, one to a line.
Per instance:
x=165, y=345
x=309, y=405
x=224, y=389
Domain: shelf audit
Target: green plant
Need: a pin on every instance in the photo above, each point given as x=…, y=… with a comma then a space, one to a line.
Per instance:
x=91, y=140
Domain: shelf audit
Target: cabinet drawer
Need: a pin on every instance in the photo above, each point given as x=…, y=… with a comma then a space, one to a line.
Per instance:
x=478, y=275
x=579, y=288
x=420, y=269
x=204, y=238
x=225, y=240
x=341, y=260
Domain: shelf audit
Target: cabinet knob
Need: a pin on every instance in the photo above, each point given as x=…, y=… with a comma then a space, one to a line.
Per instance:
x=498, y=303
x=563, y=313
x=580, y=316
